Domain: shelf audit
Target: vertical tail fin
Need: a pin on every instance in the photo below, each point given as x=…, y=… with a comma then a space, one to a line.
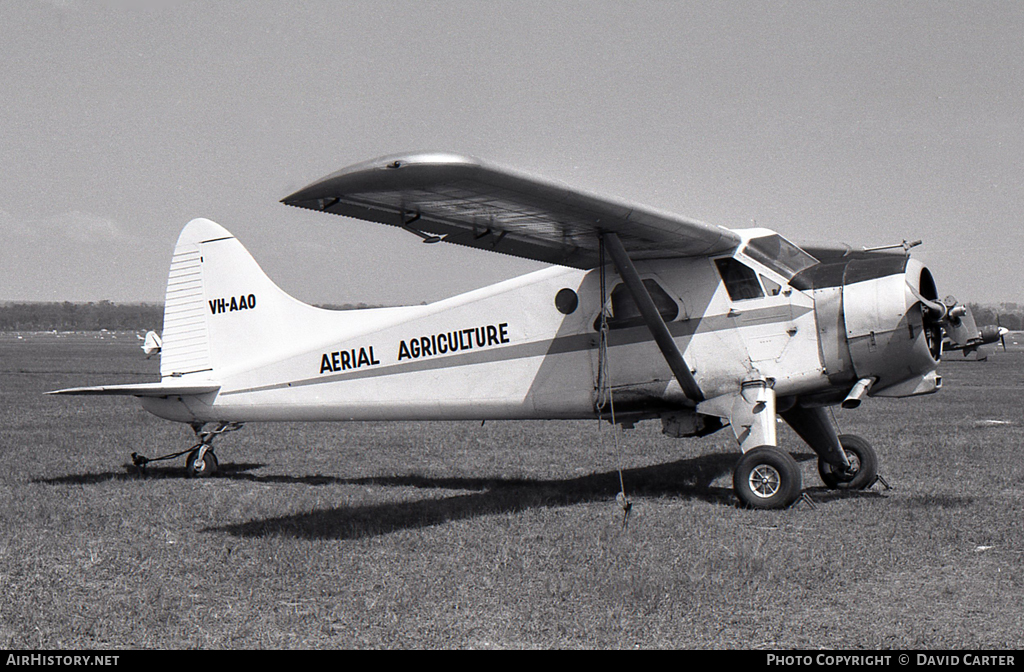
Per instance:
x=222, y=311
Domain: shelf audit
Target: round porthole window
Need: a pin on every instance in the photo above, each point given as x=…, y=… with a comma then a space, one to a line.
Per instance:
x=566, y=301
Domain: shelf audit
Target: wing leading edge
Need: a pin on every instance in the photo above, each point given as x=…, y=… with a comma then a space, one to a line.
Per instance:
x=477, y=204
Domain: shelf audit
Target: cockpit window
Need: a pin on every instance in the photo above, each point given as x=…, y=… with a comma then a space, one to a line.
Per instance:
x=740, y=281
x=779, y=254
x=625, y=312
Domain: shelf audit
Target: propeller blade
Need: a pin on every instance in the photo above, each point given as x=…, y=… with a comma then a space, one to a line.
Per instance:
x=937, y=309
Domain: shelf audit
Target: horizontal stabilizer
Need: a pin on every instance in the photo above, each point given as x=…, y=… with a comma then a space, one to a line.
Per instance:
x=143, y=390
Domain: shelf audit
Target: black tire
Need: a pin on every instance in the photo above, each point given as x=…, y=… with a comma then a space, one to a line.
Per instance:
x=862, y=458
x=767, y=478
x=208, y=467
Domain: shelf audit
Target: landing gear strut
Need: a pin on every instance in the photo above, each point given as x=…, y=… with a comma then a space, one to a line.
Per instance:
x=201, y=460
x=766, y=477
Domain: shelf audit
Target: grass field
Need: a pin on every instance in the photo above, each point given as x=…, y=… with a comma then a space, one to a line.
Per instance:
x=507, y=535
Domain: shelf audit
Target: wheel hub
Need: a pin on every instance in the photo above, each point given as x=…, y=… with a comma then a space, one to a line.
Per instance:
x=851, y=473
x=765, y=481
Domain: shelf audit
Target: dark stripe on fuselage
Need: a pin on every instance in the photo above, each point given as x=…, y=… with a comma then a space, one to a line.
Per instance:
x=837, y=274
x=555, y=346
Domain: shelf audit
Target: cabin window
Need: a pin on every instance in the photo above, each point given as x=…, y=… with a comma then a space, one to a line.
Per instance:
x=779, y=254
x=740, y=281
x=625, y=313
x=566, y=301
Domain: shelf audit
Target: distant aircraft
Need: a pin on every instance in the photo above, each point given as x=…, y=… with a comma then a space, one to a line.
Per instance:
x=971, y=340
x=642, y=315
x=151, y=344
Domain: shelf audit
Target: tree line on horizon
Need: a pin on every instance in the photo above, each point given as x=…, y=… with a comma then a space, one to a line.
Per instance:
x=94, y=316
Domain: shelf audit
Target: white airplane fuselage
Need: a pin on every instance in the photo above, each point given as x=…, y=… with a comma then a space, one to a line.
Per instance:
x=524, y=348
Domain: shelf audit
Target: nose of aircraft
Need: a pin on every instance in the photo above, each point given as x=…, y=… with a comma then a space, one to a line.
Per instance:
x=894, y=332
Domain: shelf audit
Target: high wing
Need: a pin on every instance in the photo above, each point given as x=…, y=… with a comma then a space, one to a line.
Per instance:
x=469, y=202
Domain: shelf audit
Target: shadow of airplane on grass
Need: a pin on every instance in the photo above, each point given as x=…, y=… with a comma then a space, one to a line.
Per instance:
x=689, y=478
x=686, y=478
x=133, y=473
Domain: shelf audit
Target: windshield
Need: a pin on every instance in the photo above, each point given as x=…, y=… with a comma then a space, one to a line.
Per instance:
x=779, y=254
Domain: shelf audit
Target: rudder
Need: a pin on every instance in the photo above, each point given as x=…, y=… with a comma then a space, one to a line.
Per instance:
x=186, y=340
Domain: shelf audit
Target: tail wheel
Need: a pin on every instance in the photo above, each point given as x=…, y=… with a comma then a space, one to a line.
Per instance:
x=198, y=469
x=767, y=478
x=863, y=465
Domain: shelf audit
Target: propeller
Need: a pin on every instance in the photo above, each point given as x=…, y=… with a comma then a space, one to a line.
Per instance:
x=957, y=324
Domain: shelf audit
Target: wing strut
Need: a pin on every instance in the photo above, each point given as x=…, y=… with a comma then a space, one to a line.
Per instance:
x=652, y=317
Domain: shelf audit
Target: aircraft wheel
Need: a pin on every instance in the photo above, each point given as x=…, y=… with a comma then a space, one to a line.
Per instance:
x=196, y=469
x=863, y=460
x=767, y=478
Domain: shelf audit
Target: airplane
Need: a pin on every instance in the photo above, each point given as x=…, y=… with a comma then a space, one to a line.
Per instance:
x=972, y=339
x=151, y=343
x=641, y=315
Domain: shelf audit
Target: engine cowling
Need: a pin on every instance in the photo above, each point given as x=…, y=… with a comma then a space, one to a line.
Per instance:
x=892, y=335
x=878, y=329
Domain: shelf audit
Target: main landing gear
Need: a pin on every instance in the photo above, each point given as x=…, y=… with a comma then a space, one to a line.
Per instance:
x=863, y=471
x=767, y=477
x=201, y=460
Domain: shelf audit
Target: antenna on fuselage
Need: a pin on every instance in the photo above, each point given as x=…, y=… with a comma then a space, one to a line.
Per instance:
x=905, y=245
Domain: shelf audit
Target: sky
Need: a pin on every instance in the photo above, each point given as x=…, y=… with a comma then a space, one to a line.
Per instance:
x=867, y=123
